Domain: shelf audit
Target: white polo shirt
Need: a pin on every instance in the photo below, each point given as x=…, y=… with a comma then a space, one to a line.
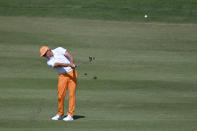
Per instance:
x=59, y=57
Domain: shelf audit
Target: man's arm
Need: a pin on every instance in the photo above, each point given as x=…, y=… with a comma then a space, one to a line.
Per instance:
x=69, y=56
x=63, y=65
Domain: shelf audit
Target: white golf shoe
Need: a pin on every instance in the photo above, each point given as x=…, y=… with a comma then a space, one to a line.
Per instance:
x=68, y=118
x=57, y=117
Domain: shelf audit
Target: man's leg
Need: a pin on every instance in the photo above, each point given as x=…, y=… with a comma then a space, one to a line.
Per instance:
x=72, y=90
x=62, y=86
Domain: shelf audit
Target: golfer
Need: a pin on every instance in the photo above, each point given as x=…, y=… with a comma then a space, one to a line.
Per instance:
x=62, y=61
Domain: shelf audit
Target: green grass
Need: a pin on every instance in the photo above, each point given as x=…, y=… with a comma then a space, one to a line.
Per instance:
x=146, y=75
x=146, y=68
x=172, y=11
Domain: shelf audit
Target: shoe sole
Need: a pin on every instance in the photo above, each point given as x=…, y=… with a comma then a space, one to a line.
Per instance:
x=67, y=120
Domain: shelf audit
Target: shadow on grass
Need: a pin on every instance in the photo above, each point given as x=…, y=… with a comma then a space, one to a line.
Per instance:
x=78, y=117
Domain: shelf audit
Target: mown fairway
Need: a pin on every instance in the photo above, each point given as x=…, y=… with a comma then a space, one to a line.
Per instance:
x=146, y=71
x=177, y=11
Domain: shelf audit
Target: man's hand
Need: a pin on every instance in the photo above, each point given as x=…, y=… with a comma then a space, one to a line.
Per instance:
x=72, y=65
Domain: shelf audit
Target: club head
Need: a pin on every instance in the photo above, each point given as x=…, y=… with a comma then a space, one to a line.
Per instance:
x=91, y=58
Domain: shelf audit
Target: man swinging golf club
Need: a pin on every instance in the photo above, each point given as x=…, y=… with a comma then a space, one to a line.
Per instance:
x=62, y=61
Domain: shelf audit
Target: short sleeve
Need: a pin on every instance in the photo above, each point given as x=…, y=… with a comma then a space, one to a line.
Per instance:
x=61, y=50
x=50, y=63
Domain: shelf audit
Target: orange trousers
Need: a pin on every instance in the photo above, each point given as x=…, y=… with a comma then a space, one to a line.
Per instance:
x=67, y=81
